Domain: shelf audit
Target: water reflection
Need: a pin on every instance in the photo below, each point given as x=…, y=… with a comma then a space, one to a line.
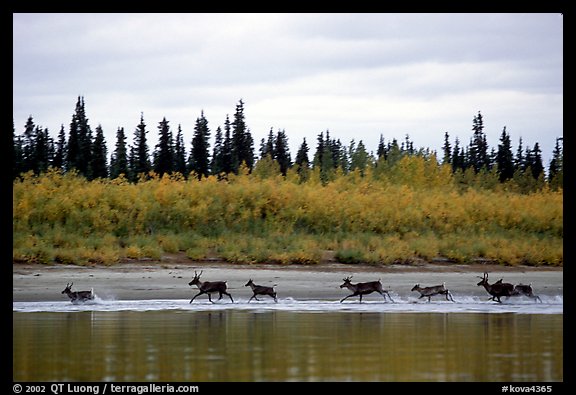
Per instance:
x=233, y=345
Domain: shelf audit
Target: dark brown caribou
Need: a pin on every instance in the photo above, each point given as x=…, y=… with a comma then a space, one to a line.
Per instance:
x=525, y=290
x=77, y=296
x=431, y=291
x=361, y=289
x=209, y=287
x=500, y=289
x=261, y=290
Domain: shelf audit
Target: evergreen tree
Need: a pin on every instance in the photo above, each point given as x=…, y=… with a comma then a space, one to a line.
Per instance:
x=302, y=155
x=99, y=164
x=327, y=165
x=180, y=154
x=556, y=168
x=79, y=150
x=478, y=149
x=267, y=146
x=73, y=148
x=242, y=141
x=359, y=158
x=317, y=162
x=534, y=161
x=199, y=161
x=519, y=162
x=504, y=157
x=339, y=155
x=381, y=152
x=447, y=150
x=227, y=163
x=217, y=165
x=408, y=145
x=457, y=160
x=394, y=153
x=164, y=152
x=302, y=161
x=139, y=159
x=281, y=151
x=60, y=153
x=42, y=151
x=119, y=160
x=29, y=139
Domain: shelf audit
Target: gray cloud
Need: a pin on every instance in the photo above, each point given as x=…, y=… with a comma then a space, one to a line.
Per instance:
x=358, y=75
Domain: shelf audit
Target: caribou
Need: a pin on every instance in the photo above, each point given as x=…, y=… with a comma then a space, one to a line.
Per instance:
x=77, y=296
x=525, y=290
x=361, y=289
x=500, y=288
x=207, y=287
x=261, y=290
x=431, y=291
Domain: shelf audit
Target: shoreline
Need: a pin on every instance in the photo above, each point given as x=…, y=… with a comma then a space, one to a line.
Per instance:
x=169, y=279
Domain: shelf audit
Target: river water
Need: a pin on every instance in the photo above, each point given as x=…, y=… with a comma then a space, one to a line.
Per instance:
x=172, y=340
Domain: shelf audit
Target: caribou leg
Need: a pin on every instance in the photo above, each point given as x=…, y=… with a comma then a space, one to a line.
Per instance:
x=354, y=294
x=198, y=294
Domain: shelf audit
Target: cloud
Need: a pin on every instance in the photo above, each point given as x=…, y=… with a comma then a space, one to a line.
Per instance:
x=358, y=75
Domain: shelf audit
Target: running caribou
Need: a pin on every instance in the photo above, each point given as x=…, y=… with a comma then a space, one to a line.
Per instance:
x=77, y=296
x=361, y=289
x=500, y=289
x=261, y=290
x=431, y=291
x=207, y=287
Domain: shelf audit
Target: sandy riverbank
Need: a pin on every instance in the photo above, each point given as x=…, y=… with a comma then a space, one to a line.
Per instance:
x=169, y=280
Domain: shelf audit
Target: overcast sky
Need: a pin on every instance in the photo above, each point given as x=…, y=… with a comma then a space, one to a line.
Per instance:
x=356, y=75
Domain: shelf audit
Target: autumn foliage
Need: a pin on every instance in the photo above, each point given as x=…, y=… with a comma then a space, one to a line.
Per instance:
x=415, y=211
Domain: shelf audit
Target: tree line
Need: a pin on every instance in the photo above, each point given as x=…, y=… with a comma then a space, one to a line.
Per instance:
x=85, y=151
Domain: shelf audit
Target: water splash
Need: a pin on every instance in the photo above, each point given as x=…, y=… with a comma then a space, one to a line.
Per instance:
x=467, y=304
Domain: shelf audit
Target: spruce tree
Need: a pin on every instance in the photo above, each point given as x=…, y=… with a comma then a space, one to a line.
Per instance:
x=536, y=161
x=302, y=155
x=28, y=145
x=79, y=150
x=381, y=152
x=339, y=156
x=478, y=149
x=164, y=152
x=216, y=166
x=281, y=151
x=302, y=161
x=139, y=159
x=359, y=158
x=447, y=159
x=199, y=161
x=180, y=154
x=326, y=160
x=317, y=161
x=519, y=161
x=73, y=147
x=242, y=141
x=504, y=157
x=227, y=160
x=42, y=151
x=457, y=163
x=408, y=145
x=119, y=160
x=99, y=165
x=556, y=168
x=394, y=153
x=60, y=153
x=267, y=146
